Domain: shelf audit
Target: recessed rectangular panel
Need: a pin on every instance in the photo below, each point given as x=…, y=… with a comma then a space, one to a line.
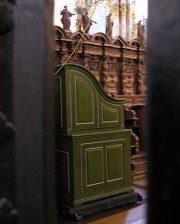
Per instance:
x=84, y=102
x=110, y=114
x=63, y=169
x=94, y=166
x=114, y=162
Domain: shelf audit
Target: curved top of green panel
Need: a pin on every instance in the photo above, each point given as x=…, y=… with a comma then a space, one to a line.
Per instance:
x=90, y=75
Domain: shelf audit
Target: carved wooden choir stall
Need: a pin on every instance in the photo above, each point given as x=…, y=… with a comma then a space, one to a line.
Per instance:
x=118, y=65
x=92, y=145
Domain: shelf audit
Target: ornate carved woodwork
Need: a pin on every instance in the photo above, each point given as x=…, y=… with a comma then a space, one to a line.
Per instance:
x=131, y=122
x=118, y=65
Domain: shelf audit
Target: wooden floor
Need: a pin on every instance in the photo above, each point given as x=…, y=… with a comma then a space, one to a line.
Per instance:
x=129, y=214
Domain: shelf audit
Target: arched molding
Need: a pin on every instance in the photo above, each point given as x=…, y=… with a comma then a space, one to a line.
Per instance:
x=101, y=37
x=59, y=32
x=136, y=43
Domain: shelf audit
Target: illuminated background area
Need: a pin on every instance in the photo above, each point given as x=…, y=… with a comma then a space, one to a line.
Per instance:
x=131, y=10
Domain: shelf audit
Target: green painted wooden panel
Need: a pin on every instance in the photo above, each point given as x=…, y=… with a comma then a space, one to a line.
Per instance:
x=110, y=115
x=84, y=102
x=62, y=159
x=93, y=148
x=61, y=104
x=94, y=166
x=115, y=162
x=102, y=165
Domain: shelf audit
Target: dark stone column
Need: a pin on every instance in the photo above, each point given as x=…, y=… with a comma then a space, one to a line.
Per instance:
x=7, y=175
x=163, y=111
x=34, y=112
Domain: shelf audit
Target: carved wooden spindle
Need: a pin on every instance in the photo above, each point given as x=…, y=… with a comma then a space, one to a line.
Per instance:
x=123, y=75
x=139, y=80
x=105, y=74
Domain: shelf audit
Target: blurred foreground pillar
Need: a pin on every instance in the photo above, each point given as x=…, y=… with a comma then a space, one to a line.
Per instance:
x=33, y=100
x=163, y=111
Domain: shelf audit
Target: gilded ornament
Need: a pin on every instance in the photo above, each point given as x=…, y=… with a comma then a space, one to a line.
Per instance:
x=123, y=11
